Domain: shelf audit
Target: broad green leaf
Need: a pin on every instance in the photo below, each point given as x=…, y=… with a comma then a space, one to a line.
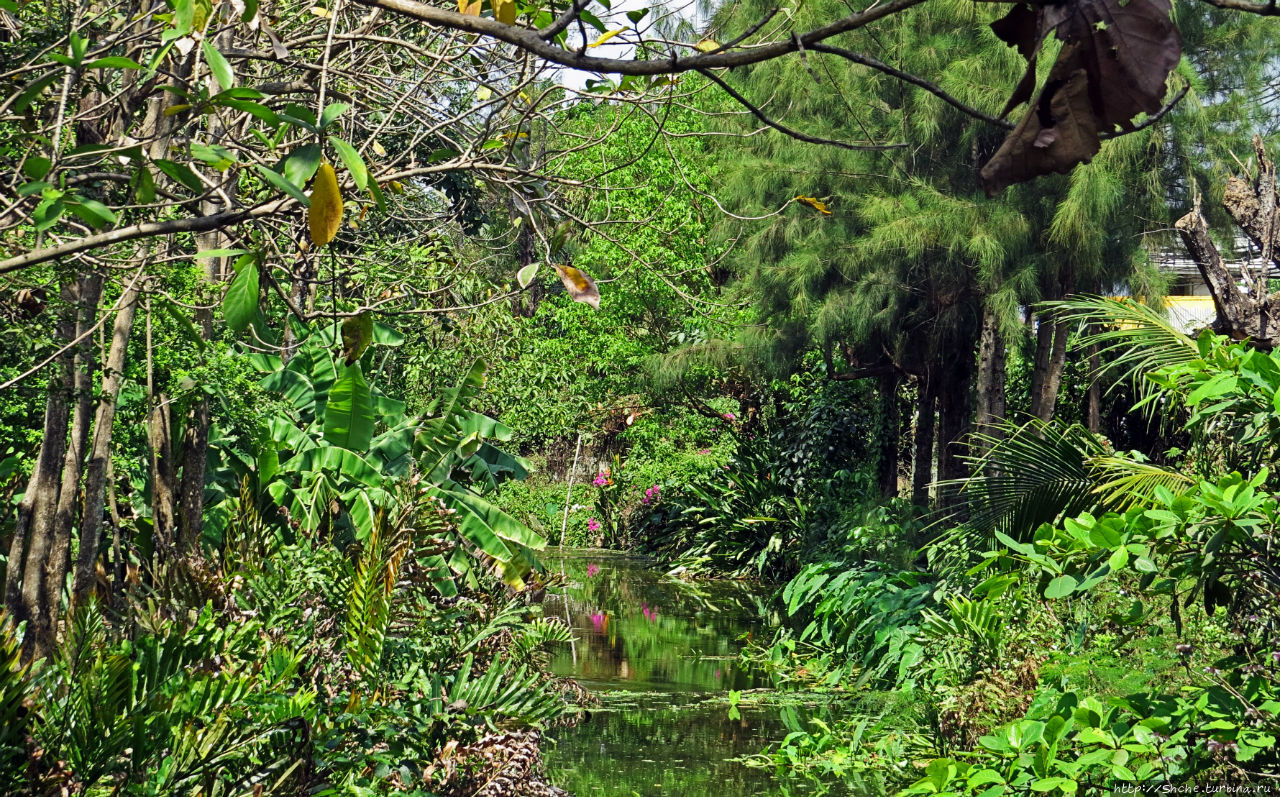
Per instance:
x=279, y=181
x=240, y=305
x=180, y=173
x=218, y=65
x=1060, y=587
x=302, y=163
x=525, y=275
x=37, y=167
x=348, y=416
x=93, y=212
x=352, y=160
x=113, y=62
x=331, y=112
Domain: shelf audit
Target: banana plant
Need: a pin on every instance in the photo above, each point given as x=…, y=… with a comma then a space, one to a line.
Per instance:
x=337, y=455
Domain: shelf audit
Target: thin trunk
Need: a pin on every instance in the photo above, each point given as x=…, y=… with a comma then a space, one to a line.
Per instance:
x=888, y=437
x=95, y=483
x=164, y=495
x=33, y=531
x=922, y=472
x=1095, y=391
x=991, y=380
x=1053, y=375
x=1040, y=368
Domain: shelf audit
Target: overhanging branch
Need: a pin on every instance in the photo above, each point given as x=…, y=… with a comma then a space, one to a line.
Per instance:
x=531, y=40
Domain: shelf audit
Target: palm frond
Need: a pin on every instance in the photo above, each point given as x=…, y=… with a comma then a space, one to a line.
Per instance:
x=1032, y=475
x=1132, y=338
x=1124, y=482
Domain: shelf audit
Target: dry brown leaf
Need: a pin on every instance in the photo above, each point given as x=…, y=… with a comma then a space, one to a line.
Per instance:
x=580, y=286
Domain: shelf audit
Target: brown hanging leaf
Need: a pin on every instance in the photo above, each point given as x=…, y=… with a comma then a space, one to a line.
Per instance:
x=1055, y=136
x=325, y=214
x=815, y=203
x=580, y=287
x=1115, y=65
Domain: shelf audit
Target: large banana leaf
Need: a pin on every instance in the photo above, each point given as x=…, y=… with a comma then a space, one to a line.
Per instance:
x=348, y=417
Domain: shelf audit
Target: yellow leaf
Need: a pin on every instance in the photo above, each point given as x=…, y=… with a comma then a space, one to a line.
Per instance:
x=321, y=11
x=581, y=287
x=815, y=203
x=707, y=46
x=325, y=214
x=176, y=109
x=470, y=9
x=378, y=149
x=504, y=11
x=606, y=37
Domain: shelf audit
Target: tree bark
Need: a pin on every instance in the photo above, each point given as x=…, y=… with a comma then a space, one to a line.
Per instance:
x=95, y=485
x=54, y=567
x=164, y=494
x=991, y=382
x=1043, y=356
x=922, y=471
x=33, y=531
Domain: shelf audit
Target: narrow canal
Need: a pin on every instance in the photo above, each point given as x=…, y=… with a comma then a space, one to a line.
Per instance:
x=661, y=654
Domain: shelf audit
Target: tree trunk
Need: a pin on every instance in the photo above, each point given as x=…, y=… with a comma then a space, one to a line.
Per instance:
x=33, y=531
x=95, y=484
x=86, y=361
x=1095, y=391
x=991, y=382
x=922, y=472
x=164, y=494
x=888, y=435
x=1043, y=357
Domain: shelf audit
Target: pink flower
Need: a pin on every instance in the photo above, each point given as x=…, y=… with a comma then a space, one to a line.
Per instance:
x=602, y=479
x=592, y=569
x=728, y=416
x=597, y=620
x=593, y=525
x=649, y=614
x=704, y=451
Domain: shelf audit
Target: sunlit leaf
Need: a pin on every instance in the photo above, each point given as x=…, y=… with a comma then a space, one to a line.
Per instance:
x=324, y=217
x=606, y=37
x=504, y=11
x=348, y=417
x=815, y=203
x=240, y=305
x=525, y=275
x=218, y=65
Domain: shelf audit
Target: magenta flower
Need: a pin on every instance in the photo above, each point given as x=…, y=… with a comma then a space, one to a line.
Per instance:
x=649, y=614
x=728, y=416
x=704, y=451
x=597, y=620
x=593, y=525
x=592, y=569
x=651, y=494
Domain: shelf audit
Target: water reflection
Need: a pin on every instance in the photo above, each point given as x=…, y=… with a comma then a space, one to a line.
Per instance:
x=662, y=655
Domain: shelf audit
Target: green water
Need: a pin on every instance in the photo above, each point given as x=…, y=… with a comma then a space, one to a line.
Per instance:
x=661, y=654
